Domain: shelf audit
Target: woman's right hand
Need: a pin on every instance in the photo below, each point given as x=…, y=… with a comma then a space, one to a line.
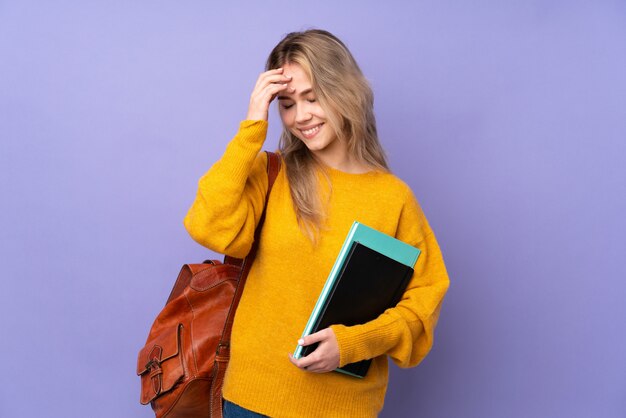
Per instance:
x=267, y=87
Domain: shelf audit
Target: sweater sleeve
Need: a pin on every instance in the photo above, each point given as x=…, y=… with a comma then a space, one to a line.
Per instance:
x=231, y=195
x=404, y=332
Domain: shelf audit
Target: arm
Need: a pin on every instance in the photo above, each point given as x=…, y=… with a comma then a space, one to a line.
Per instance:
x=231, y=195
x=404, y=332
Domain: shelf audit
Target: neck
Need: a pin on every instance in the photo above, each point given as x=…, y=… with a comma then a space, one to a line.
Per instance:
x=340, y=159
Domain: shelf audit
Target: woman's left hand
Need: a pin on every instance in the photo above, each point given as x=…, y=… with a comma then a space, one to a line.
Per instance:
x=325, y=358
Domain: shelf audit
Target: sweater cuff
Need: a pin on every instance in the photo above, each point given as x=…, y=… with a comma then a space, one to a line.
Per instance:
x=362, y=342
x=251, y=123
x=251, y=134
x=241, y=152
x=345, y=343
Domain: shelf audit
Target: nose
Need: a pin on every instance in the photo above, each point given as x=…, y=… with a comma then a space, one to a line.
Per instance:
x=302, y=114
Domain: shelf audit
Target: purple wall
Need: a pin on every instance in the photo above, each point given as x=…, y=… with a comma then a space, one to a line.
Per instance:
x=509, y=121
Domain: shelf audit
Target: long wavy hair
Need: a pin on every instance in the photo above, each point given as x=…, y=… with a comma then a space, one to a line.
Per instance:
x=348, y=101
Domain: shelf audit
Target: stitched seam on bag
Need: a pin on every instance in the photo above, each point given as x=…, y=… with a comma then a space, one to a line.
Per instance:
x=193, y=352
x=199, y=289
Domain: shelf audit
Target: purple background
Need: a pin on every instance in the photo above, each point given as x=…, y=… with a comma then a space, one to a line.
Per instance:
x=508, y=119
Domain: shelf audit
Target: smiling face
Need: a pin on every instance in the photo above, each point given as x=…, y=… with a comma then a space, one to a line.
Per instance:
x=304, y=117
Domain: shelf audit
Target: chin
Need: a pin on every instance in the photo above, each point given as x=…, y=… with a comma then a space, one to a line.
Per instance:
x=313, y=147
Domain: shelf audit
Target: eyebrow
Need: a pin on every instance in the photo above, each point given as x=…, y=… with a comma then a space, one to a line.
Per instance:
x=302, y=93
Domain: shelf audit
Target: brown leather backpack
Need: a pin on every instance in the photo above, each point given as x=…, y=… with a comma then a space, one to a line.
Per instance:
x=183, y=363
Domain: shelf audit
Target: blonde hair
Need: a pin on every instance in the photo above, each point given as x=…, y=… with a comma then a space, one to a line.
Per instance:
x=346, y=97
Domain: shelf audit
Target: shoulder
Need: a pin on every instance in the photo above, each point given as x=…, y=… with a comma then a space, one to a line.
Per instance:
x=396, y=182
x=259, y=171
x=391, y=203
x=397, y=189
x=413, y=226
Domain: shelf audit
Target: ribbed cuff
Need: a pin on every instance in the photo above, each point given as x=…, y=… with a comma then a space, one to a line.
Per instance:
x=241, y=152
x=246, y=145
x=361, y=342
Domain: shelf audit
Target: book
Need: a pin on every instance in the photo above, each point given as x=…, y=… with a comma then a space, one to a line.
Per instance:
x=370, y=274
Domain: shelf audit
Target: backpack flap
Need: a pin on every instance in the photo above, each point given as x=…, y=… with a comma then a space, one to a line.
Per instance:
x=160, y=364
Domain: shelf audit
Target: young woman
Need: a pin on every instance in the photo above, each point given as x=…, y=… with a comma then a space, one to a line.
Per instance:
x=333, y=173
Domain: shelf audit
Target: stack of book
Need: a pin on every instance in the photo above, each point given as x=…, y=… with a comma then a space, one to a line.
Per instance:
x=369, y=276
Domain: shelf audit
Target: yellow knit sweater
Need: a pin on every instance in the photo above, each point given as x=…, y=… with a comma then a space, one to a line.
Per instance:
x=289, y=273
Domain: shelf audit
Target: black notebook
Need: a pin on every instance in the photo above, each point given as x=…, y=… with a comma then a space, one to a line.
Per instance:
x=367, y=284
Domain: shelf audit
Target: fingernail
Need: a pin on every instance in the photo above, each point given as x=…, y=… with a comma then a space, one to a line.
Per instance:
x=300, y=341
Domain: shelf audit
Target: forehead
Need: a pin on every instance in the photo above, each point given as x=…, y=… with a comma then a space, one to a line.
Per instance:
x=300, y=79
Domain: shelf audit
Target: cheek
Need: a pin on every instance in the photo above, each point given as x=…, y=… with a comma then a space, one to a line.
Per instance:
x=286, y=116
x=319, y=112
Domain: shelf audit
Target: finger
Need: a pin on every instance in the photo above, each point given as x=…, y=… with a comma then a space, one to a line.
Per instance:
x=293, y=360
x=314, y=338
x=317, y=370
x=317, y=367
x=299, y=363
x=310, y=364
x=276, y=80
x=270, y=92
x=271, y=74
x=268, y=72
x=265, y=96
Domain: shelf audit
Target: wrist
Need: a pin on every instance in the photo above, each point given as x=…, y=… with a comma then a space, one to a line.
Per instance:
x=256, y=115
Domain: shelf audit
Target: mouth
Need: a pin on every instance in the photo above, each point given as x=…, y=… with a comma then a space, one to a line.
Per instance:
x=312, y=131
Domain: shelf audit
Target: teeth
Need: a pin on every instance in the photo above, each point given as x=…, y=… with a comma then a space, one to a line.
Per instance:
x=311, y=131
